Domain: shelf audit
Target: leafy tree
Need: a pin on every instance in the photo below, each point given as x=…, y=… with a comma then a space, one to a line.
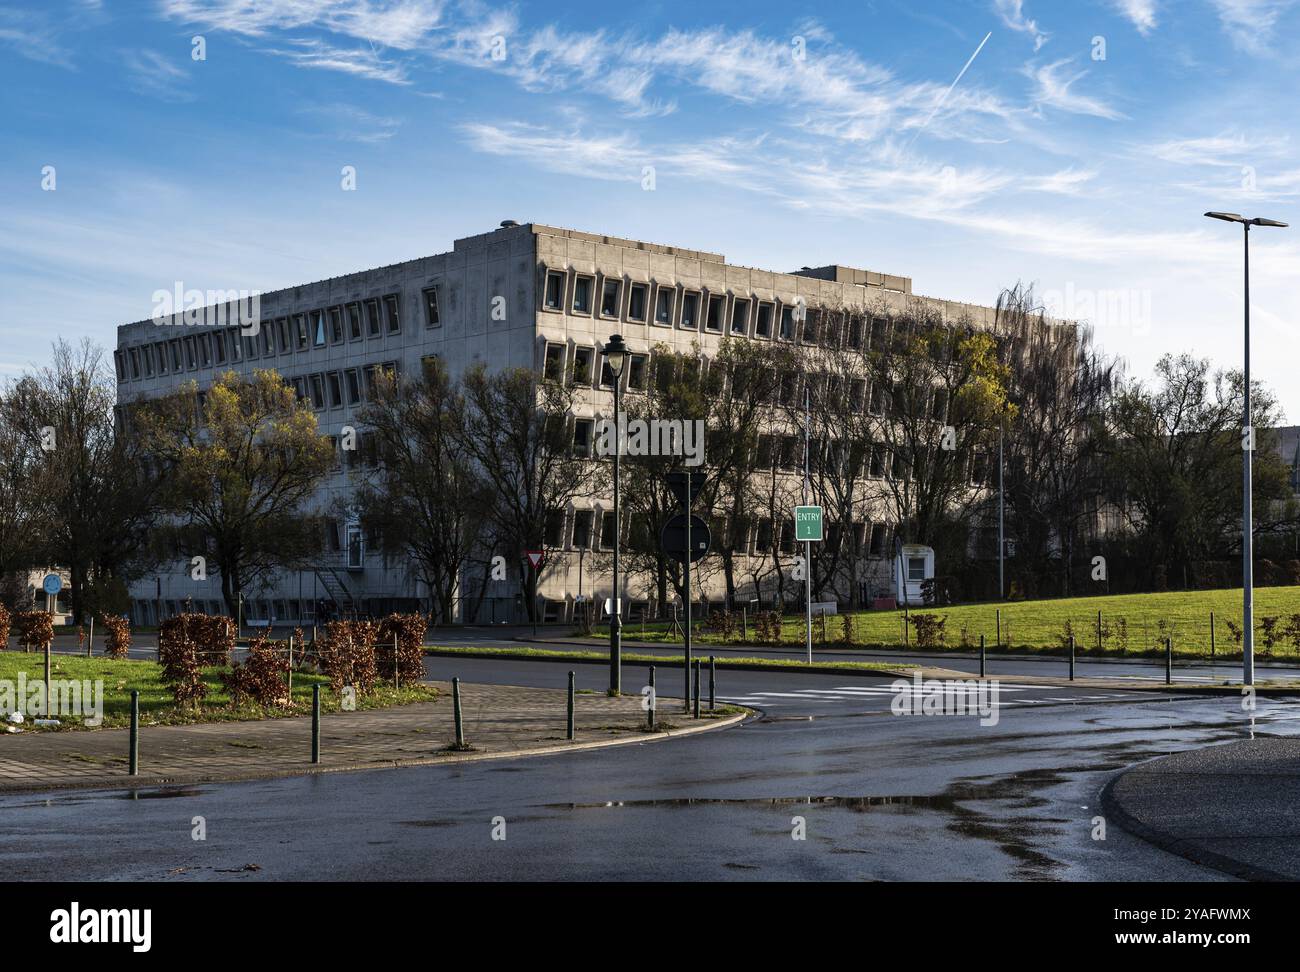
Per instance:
x=1175, y=463
x=427, y=498
x=241, y=463
x=516, y=428
x=92, y=494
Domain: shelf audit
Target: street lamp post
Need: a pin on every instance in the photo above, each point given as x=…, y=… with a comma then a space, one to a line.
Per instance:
x=1247, y=448
x=615, y=356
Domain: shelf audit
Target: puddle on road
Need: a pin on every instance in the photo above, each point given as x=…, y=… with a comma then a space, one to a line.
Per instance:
x=163, y=794
x=851, y=803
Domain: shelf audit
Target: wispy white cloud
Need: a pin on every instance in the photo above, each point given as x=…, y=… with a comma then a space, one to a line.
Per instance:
x=1251, y=23
x=363, y=62
x=1141, y=13
x=1066, y=182
x=1053, y=89
x=353, y=124
x=151, y=73
x=33, y=36
x=1013, y=15
x=1224, y=149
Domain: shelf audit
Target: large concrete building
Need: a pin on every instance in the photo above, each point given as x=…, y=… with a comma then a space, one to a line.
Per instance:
x=521, y=295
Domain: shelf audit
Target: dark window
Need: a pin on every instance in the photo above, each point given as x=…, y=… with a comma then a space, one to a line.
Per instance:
x=431, y=316
x=609, y=296
x=636, y=299
x=300, y=326
x=607, y=531
x=391, y=314
x=135, y=362
x=317, y=391
x=354, y=321
x=553, y=535
x=713, y=322
x=582, y=358
x=372, y=318
x=691, y=310
x=191, y=360
x=336, y=389
x=318, y=329
x=219, y=345
x=763, y=325
x=553, y=368
x=582, y=433
x=354, y=386
x=582, y=522
x=554, y=299
x=236, y=346
x=121, y=365
x=205, y=350
x=582, y=295
x=664, y=305
x=336, y=325
x=877, y=548
x=740, y=317
x=638, y=369
x=787, y=322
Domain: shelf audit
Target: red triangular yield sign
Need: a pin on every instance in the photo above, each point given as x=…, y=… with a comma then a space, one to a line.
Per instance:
x=535, y=557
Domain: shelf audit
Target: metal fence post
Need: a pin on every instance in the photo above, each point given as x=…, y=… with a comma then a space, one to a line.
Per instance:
x=1071, y=658
x=455, y=702
x=697, y=688
x=133, y=758
x=1211, y=637
x=713, y=683
x=1169, y=661
x=983, y=664
x=315, y=723
x=570, y=722
x=397, y=664
x=650, y=717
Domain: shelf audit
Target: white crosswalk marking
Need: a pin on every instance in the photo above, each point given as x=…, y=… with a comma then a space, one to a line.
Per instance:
x=864, y=693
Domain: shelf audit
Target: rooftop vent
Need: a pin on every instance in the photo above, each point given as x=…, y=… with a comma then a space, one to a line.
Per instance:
x=507, y=223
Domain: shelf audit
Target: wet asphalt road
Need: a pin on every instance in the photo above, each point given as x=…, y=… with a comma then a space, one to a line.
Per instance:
x=883, y=798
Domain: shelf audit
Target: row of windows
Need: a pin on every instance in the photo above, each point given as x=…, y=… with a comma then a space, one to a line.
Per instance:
x=334, y=389
x=739, y=315
x=359, y=320
x=577, y=367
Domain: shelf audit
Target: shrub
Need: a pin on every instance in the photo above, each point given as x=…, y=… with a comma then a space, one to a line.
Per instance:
x=347, y=654
x=1269, y=629
x=262, y=676
x=723, y=622
x=4, y=628
x=1066, y=635
x=118, y=641
x=1234, y=629
x=1292, y=630
x=409, y=630
x=929, y=629
x=35, y=628
x=211, y=636
x=848, y=625
x=178, y=654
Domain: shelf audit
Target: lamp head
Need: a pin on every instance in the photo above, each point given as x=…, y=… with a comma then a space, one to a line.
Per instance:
x=615, y=354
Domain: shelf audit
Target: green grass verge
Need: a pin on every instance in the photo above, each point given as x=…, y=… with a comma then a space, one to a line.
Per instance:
x=731, y=661
x=1040, y=626
x=156, y=705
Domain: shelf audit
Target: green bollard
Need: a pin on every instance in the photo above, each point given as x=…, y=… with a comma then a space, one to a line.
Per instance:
x=133, y=758
x=455, y=702
x=315, y=723
x=713, y=682
x=570, y=723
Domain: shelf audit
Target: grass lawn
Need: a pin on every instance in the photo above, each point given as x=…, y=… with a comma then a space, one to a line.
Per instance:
x=156, y=705
x=1039, y=626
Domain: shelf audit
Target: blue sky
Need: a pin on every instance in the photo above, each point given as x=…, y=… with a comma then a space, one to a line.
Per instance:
x=1076, y=151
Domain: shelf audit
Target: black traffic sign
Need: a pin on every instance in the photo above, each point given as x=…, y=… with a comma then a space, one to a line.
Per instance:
x=678, y=482
x=673, y=538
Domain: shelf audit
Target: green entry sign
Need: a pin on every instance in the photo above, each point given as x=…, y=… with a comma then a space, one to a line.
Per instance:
x=807, y=523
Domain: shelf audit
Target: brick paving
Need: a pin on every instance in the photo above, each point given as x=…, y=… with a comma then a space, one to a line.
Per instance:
x=499, y=720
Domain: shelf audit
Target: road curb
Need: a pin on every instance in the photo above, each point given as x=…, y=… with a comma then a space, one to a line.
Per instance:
x=668, y=662
x=444, y=758
x=1114, y=810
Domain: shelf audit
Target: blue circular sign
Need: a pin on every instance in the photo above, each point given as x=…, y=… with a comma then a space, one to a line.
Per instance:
x=52, y=584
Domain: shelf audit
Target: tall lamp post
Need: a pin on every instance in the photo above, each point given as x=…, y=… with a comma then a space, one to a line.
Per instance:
x=615, y=356
x=1248, y=446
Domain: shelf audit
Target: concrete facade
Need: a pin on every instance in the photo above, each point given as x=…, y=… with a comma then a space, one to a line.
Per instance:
x=521, y=295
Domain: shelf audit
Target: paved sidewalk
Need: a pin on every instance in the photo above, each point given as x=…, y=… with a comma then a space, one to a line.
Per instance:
x=1230, y=807
x=500, y=720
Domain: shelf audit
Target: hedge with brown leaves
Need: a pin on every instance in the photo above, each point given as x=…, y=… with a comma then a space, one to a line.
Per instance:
x=213, y=636
x=178, y=653
x=118, y=641
x=347, y=654
x=409, y=630
x=35, y=628
x=262, y=676
x=4, y=627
